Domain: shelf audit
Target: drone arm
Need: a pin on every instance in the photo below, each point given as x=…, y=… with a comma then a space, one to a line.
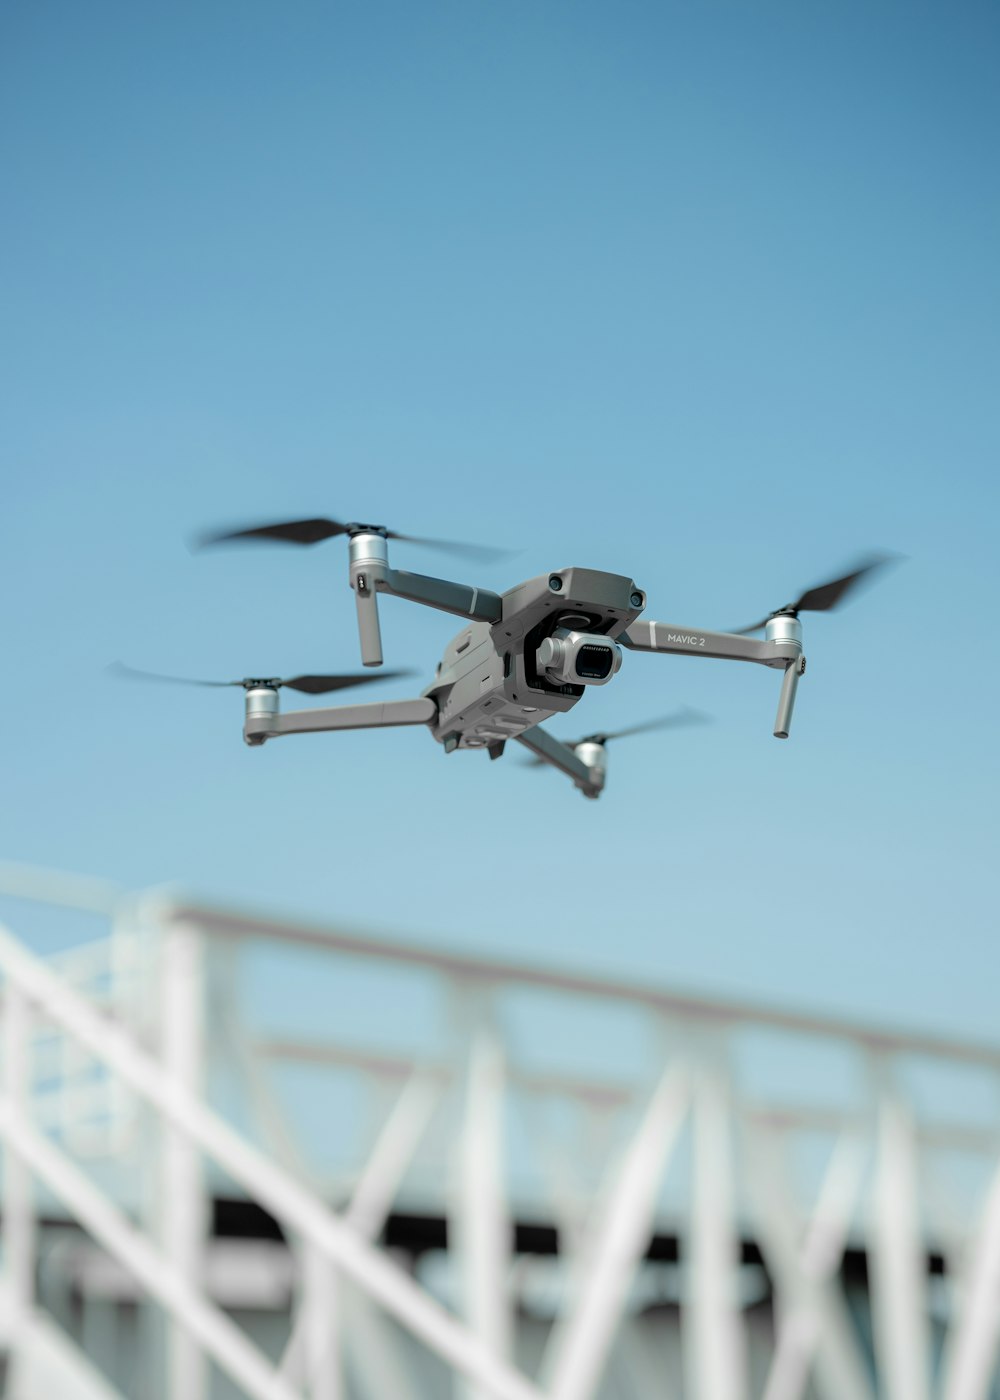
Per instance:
x=370, y=575
x=783, y=652
x=478, y=604
x=561, y=756
x=388, y=713
x=724, y=646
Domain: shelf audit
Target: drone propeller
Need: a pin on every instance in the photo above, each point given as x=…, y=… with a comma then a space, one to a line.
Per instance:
x=677, y=720
x=307, y=685
x=825, y=595
x=316, y=530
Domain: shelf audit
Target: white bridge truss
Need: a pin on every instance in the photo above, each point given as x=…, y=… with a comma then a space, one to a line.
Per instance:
x=715, y=1175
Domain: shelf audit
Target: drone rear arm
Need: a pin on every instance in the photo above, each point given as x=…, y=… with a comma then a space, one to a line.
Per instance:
x=264, y=722
x=561, y=756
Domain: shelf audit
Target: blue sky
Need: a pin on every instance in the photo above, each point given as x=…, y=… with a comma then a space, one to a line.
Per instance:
x=706, y=294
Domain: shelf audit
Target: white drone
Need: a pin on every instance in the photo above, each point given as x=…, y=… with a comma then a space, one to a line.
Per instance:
x=525, y=656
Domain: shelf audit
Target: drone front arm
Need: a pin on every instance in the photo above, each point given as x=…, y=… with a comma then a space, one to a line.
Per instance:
x=371, y=575
x=477, y=604
x=781, y=648
x=723, y=646
x=263, y=720
x=551, y=750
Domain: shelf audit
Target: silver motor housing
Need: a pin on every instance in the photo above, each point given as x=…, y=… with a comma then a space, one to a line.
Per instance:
x=578, y=658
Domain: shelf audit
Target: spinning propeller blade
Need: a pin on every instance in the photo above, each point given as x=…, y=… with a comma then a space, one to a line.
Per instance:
x=323, y=685
x=132, y=673
x=290, y=531
x=307, y=685
x=677, y=720
x=314, y=531
x=824, y=596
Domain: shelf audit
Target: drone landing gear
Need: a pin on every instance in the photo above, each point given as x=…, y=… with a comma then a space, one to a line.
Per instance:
x=786, y=700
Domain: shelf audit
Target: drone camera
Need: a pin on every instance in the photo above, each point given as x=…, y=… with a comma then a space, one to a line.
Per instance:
x=594, y=662
x=578, y=658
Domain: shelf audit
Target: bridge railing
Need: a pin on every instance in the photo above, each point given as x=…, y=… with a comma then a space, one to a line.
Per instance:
x=717, y=1132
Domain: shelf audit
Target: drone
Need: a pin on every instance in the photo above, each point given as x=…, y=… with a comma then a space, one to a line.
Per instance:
x=524, y=656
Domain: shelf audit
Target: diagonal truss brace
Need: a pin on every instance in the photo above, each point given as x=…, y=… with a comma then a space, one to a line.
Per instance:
x=969, y=1363
x=579, y=1346
x=314, y=1332
x=265, y=1182
x=814, y=1315
x=222, y=1339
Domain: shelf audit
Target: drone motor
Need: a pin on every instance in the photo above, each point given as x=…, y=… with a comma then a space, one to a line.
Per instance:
x=262, y=706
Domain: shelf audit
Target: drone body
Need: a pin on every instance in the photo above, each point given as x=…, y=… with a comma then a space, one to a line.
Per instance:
x=523, y=657
x=552, y=636
x=492, y=684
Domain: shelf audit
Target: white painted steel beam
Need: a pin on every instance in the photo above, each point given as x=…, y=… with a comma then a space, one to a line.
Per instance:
x=713, y=1336
x=382, y=1175
x=815, y=1343
x=808, y=1298
x=311, y=1357
x=799, y=1318
x=19, y=1226
x=321, y=1316
x=268, y=1112
x=84, y=892
x=970, y=1358
x=568, y=1197
x=370, y=1205
x=183, y=1211
x=480, y=1227
x=579, y=1346
x=897, y=1261
x=693, y=1010
x=269, y=1184
x=220, y=1338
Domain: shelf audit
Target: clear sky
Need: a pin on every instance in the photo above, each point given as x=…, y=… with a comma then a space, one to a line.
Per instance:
x=704, y=293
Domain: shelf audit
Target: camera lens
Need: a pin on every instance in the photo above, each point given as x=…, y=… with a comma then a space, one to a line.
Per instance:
x=593, y=663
